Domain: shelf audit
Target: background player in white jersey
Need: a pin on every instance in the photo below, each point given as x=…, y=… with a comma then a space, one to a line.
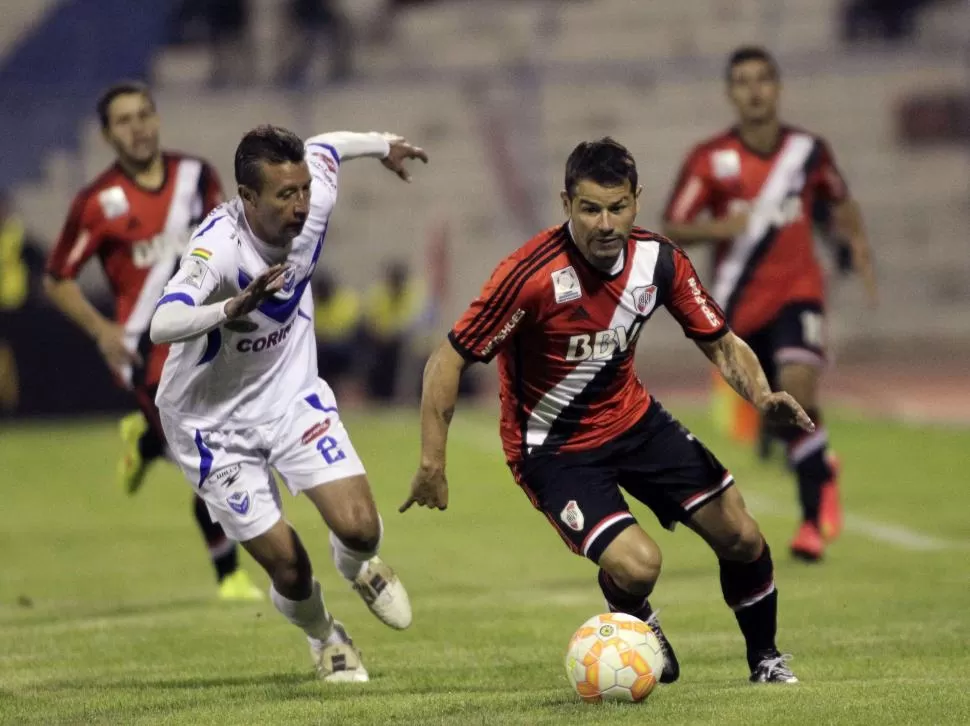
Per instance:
x=240, y=397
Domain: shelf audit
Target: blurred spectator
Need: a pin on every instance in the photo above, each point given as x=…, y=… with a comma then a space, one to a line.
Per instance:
x=310, y=21
x=336, y=320
x=224, y=26
x=21, y=270
x=393, y=307
x=21, y=260
x=233, y=59
x=887, y=19
x=383, y=27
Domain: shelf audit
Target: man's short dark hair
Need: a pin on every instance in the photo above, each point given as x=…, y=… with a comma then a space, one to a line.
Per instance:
x=606, y=162
x=125, y=88
x=749, y=53
x=272, y=144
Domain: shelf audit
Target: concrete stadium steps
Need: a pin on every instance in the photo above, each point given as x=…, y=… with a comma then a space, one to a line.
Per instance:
x=666, y=97
x=608, y=29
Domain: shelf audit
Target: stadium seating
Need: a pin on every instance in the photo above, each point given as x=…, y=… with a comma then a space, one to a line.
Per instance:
x=647, y=73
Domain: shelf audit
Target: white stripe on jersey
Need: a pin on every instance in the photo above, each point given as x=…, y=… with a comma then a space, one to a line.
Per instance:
x=176, y=223
x=686, y=199
x=787, y=176
x=78, y=249
x=550, y=407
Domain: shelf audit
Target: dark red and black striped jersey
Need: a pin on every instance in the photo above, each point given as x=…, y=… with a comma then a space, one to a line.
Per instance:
x=773, y=262
x=138, y=235
x=565, y=335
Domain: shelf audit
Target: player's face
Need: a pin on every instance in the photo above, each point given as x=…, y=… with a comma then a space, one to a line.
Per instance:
x=754, y=89
x=133, y=129
x=602, y=219
x=279, y=210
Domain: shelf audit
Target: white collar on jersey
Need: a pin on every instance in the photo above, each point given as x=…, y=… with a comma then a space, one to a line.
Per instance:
x=620, y=260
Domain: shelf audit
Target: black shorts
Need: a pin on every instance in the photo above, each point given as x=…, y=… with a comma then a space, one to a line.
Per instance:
x=658, y=462
x=796, y=335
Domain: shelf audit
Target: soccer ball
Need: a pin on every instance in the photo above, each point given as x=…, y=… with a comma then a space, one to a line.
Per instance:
x=614, y=657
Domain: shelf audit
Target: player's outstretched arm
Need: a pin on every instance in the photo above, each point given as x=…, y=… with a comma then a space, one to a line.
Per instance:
x=68, y=297
x=740, y=368
x=391, y=149
x=849, y=226
x=707, y=230
x=438, y=398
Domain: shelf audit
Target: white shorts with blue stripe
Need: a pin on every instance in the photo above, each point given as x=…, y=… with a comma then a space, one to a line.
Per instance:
x=233, y=470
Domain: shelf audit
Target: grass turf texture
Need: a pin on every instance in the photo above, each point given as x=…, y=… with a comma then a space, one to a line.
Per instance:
x=107, y=609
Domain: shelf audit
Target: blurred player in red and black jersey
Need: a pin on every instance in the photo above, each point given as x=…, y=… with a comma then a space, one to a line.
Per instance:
x=563, y=314
x=136, y=218
x=760, y=182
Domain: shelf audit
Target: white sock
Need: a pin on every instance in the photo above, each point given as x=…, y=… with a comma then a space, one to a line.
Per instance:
x=309, y=615
x=348, y=561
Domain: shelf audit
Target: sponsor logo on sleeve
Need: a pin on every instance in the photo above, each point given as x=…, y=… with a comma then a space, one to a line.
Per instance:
x=505, y=332
x=701, y=301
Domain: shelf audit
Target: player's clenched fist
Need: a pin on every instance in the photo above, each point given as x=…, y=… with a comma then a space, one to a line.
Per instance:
x=271, y=281
x=429, y=488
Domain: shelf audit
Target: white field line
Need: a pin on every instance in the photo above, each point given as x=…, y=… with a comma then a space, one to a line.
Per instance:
x=485, y=439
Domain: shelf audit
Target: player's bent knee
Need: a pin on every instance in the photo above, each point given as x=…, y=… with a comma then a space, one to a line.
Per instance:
x=635, y=575
x=281, y=554
x=348, y=508
x=633, y=561
x=741, y=543
x=292, y=574
x=359, y=528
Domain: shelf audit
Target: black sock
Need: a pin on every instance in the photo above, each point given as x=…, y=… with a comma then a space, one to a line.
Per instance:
x=807, y=455
x=222, y=550
x=151, y=445
x=621, y=601
x=749, y=590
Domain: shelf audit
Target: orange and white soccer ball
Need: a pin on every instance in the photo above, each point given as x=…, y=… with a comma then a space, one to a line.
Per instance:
x=614, y=657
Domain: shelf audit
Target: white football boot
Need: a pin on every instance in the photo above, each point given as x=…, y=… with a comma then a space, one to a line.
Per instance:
x=383, y=593
x=338, y=662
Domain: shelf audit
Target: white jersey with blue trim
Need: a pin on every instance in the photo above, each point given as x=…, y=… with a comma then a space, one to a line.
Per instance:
x=247, y=371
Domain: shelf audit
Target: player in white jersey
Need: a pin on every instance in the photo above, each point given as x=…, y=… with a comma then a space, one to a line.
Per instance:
x=240, y=397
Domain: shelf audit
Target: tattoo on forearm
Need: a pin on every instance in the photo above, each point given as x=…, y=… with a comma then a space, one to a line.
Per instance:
x=747, y=380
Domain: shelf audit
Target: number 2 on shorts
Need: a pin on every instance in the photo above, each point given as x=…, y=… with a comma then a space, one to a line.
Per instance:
x=327, y=446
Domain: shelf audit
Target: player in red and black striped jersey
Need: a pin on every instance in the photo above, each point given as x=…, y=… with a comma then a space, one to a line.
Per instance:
x=136, y=218
x=760, y=182
x=563, y=315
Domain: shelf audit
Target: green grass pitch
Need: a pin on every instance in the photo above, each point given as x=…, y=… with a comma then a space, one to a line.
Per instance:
x=107, y=610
